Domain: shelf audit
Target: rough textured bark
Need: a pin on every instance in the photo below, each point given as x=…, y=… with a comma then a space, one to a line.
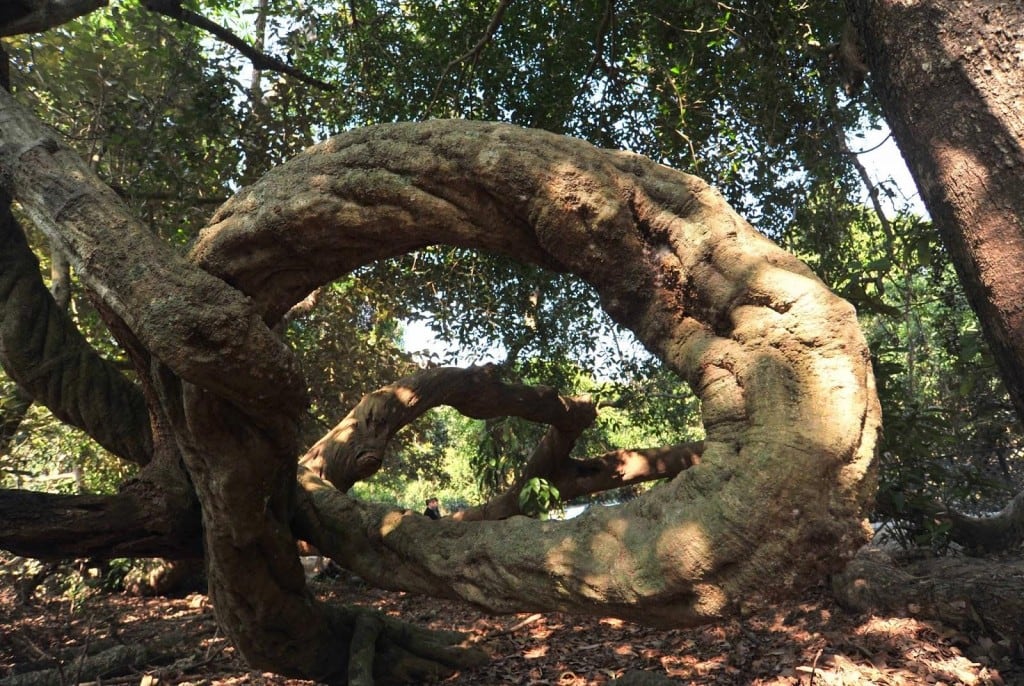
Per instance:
x=950, y=79
x=141, y=521
x=203, y=330
x=354, y=449
x=43, y=352
x=227, y=394
x=623, y=467
x=777, y=360
x=963, y=592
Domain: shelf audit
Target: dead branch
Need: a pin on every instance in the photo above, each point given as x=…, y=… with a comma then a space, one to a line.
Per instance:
x=260, y=60
x=517, y=626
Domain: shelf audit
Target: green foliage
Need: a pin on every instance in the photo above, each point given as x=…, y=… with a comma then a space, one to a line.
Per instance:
x=538, y=497
x=434, y=462
x=47, y=455
x=504, y=447
x=140, y=101
x=947, y=414
x=348, y=344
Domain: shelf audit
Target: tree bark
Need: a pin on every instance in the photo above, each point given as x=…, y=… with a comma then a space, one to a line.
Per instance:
x=968, y=593
x=950, y=78
x=354, y=449
x=198, y=326
x=141, y=521
x=778, y=362
x=32, y=16
x=43, y=352
x=624, y=467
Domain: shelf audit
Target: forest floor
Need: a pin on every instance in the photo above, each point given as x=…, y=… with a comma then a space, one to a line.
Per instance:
x=808, y=642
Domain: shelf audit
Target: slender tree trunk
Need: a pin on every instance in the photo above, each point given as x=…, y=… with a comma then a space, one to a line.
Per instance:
x=950, y=78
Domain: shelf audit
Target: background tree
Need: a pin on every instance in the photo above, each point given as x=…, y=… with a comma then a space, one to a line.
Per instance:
x=965, y=150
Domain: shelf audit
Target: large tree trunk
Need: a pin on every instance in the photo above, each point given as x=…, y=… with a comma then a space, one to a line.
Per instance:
x=950, y=77
x=778, y=362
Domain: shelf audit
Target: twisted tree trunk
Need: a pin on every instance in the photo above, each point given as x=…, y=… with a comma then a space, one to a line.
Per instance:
x=778, y=362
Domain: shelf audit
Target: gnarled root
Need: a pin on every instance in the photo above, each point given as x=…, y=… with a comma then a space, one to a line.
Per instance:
x=384, y=650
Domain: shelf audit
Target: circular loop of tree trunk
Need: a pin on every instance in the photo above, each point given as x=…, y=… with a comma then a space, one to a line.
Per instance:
x=777, y=360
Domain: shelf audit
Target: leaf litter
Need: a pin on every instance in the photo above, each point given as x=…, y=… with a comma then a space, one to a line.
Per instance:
x=811, y=642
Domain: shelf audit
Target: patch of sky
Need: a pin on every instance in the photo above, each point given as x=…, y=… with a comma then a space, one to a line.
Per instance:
x=878, y=152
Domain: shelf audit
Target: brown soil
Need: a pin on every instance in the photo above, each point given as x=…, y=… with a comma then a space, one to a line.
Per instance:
x=810, y=642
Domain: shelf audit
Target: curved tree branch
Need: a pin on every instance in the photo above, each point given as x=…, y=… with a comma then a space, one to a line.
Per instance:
x=577, y=477
x=995, y=533
x=1000, y=532
x=45, y=354
x=354, y=449
x=624, y=467
x=204, y=330
x=777, y=361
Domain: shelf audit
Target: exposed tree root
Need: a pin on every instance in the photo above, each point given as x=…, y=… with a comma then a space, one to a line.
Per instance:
x=1003, y=531
x=978, y=535
x=384, y=650
x=968, y=593
x=110, y=662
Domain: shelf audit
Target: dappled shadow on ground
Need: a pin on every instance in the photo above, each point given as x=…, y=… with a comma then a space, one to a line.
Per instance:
x=810, y=642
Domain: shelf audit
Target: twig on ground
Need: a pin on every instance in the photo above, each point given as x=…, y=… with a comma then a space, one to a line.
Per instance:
x=517, y=626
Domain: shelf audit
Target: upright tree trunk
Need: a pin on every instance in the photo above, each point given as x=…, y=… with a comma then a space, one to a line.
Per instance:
x=950, y=78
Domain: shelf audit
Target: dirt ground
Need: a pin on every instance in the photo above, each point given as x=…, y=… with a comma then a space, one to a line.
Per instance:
x=809, y=642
